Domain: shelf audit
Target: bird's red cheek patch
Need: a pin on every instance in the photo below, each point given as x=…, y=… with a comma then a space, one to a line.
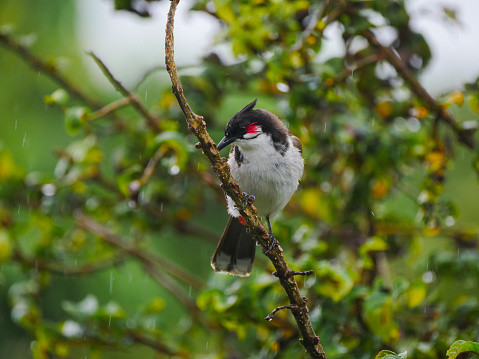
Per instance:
x=254, y=128
x=242, y=221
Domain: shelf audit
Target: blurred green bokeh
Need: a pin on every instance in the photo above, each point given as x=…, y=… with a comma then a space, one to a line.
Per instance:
x=391, y=270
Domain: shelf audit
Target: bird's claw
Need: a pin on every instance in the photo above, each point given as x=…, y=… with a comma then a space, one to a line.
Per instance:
x=249, y=198
x=272, y=244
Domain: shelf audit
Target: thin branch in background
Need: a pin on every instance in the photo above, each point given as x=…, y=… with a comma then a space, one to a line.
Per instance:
x=111, y=107
x=464, y=136
x=62, y=268
x=197, y=126
x=152, y=121
x=47, y=68
x=147, y=259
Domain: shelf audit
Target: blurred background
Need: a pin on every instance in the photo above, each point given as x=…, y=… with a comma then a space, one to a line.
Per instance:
x=101, y=259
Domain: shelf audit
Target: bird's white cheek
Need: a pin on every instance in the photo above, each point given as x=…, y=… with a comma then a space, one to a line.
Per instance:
x=248, y=136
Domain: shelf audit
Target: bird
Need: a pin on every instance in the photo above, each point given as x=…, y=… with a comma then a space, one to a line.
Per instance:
x=266, y=161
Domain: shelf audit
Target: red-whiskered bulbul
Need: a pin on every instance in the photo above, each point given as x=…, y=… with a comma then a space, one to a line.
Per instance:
x=266, y=161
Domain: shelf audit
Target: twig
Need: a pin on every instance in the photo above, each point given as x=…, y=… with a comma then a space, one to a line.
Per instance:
x=111, y=107
x=152, y=121
x=198, y=127
x=147, y=259
x=49, y=69
x=464, y=136
x=293, y=273
x=61, y=268
x=290, y=307
x=155, y=344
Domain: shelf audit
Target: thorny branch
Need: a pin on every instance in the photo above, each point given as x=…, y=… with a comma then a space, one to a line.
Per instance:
x=197, y=125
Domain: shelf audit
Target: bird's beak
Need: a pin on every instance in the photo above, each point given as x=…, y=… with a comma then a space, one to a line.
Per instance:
x=225, y=141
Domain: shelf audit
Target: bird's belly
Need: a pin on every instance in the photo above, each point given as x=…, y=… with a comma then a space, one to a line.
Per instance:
x=272, y=185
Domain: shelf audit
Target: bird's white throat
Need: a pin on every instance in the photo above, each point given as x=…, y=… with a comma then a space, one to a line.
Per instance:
x=271, y=176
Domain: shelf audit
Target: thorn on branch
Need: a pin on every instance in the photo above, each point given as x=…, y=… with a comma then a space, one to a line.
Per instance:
x=290, y=307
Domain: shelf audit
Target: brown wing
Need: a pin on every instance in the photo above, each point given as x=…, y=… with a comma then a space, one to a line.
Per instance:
x=297, y=144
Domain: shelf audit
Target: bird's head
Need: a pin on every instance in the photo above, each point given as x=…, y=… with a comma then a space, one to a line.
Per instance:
x=250, y=125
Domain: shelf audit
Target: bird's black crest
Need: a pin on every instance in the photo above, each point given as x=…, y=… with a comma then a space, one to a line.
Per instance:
x=248, y=107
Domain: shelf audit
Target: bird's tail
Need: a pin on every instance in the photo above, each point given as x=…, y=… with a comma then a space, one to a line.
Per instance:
x=235, y=252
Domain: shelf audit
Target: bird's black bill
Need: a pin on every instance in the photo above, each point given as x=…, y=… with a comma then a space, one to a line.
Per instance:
x=225, y=141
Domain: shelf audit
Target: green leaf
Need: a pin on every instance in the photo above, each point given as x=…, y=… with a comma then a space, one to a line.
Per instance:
x=462, y=346
x=373, y=244
x=387, y=354
x=175, y=141
x=379, y=315
x=334, y=282
x=75, y=119
x=474, y=103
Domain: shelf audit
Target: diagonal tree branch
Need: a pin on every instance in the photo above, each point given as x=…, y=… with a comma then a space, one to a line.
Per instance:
x=152, y=121
x=197, y=125
x=464, y=136
x=49, y=69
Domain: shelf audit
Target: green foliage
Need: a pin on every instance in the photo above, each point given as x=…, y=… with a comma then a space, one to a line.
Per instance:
x=460, y=347
x=107, y=227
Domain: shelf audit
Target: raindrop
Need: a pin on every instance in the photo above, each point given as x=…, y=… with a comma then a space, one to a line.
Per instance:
x=206, y=345
x=161, y=207
x=325, y=126
x=109, y=321
x=24, y=140
x=111, y=282
x=146, y=95
x=16, y=122
x=372, y=213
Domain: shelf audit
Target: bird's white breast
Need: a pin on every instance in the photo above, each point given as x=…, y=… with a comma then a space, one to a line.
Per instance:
x=265, y=173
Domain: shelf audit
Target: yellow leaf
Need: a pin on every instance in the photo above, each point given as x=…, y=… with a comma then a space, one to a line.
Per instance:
x=420, y=112
x=5, y=246
x=313, y=203
x=380, y=189
x=474, y=103
x=384, y=109
x=456, y=97
x=416, y=294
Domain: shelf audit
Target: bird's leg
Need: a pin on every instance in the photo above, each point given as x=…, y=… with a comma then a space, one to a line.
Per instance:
x=249, y=198
x=271, y=236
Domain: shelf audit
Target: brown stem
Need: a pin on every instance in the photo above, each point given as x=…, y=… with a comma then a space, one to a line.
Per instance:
x=464, y=136
x=197, y=126
x=111, y=107
x=49, y=69
x=148, y=260
x=152, y=121
x=61, y=268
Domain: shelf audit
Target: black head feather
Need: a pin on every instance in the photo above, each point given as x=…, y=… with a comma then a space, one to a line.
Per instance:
x=270, y=124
